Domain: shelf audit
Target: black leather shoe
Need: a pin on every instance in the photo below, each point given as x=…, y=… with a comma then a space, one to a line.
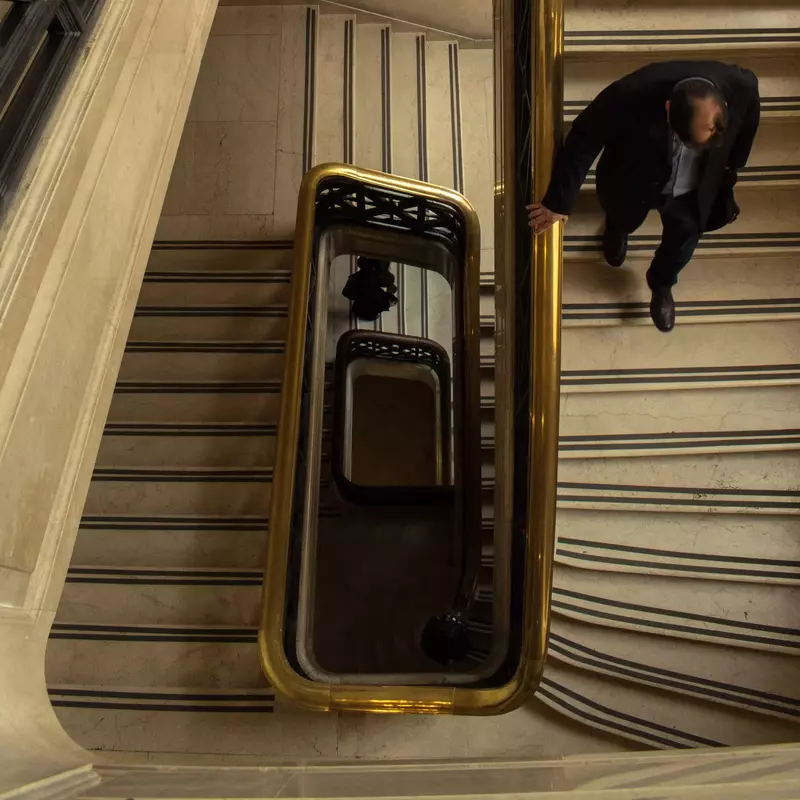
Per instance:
x=662, y=309
x=615, y=246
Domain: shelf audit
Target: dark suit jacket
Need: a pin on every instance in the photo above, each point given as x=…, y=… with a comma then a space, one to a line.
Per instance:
x=628, y=121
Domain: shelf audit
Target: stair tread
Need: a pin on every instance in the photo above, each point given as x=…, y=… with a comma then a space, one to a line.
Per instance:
x=631, y=711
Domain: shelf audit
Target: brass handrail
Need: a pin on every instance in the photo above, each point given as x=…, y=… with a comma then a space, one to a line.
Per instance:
x=535, y=78
x=546, y=281
x=545, y=88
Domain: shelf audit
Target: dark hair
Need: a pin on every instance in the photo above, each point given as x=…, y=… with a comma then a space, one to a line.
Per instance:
x=683, y=103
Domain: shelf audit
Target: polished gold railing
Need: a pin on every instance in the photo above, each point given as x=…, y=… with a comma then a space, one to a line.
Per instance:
x=546, y=277
x=520, y=179
x=544, y=307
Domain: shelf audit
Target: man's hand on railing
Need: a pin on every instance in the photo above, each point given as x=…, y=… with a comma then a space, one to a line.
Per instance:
x=542, y=218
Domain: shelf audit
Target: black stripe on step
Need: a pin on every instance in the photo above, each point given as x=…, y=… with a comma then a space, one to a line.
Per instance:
x=107, y=694
x=136, y=523
x=624, y=548
x=110, y=577
x=189, y=429
x=197, y=638
x=624, y=444
x=621, y=34
x=274, y=311
x=133, y=475
x=697, y=569
x=707, y=40
x=590, y=657
x=154, y=632
x=764, y=433
x=258, y=348
x=683, y=615
x=161, y=707
x=219, y=276
x=685, y=370
x=547, y=687
x=686, y=490
x=166, y=572
x=694, y=632
x=222, y=244
x=199, y=387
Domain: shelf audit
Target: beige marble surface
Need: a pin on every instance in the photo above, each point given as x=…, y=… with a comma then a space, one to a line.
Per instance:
x=620, y=15
x=330, y=88
x=240, y=162
x=585, y=78
x=685, y=714
x=224, y=168
x=754, y=408
x=369, y=122
x=405, y=105
x=440, y=122
x=723, y=600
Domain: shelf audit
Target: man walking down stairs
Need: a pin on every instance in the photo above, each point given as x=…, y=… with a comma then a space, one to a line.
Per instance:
x=677, y=566
x=674, y=137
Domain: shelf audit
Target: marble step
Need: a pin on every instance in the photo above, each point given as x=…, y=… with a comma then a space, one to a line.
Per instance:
x=769, y=212
x=168, y=401
x=752, y=615
x=141, y=444
x=773, y=411
x=709, y=291
x=477, y=116
x=686, y=41
x=778, y=78
x=408, y=121
x=443, y=99
x=658, y=499
x=712, y=547
x=652, y=379
x=335, y=88
x=144, y=656
x=653, y=717
x=225, y=287
x=623, y=19
x=655, y=444
x=212, y=323
x=649, y=498
x=190, y=542
x=725, y=347
x=778, y=109
x=193, y=256
x=161, y=596
x=759, y=681
x=202, y=361
x=200, y=734
x=754, y=473
x=373, y=140
x=153, y=491
x=752, y=176
x=637, y=313
x=766, y=227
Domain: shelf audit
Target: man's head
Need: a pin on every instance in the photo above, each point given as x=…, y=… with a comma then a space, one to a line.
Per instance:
x=697, y=112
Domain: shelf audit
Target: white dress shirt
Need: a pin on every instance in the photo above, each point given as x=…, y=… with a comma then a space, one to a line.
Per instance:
x=685, y=169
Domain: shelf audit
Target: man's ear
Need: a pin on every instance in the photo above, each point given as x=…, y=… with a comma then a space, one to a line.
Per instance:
x=668, y=104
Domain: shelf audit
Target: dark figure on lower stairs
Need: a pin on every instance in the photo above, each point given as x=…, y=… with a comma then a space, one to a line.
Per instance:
x=371, y=289
x=673, y=136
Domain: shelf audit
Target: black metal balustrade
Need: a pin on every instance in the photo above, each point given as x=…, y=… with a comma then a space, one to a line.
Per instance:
x=39, y=41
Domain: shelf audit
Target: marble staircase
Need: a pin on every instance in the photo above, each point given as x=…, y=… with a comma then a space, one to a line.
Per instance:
x=678, y=560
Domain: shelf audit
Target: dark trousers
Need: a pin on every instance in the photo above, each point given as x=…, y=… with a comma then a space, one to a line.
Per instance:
x=679, y=217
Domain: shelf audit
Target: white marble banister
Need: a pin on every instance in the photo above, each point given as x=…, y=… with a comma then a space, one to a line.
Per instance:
x=73, y=247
